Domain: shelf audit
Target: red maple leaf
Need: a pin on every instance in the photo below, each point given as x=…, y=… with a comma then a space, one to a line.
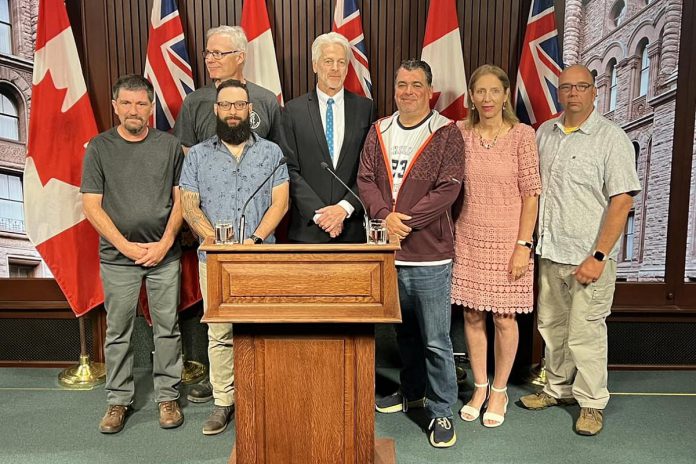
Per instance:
x=57, y=139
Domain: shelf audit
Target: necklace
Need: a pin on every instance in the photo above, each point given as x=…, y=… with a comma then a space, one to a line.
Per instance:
x=491, y=144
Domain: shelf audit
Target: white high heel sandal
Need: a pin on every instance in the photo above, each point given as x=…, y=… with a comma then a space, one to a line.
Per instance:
x=497, y=418
x=472, y=411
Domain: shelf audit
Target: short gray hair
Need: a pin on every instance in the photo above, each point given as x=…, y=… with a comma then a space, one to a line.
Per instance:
x=234, y=33
x=328, y=39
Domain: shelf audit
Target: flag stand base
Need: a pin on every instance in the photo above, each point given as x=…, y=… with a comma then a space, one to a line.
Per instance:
x=84, y=376
x=193, y=372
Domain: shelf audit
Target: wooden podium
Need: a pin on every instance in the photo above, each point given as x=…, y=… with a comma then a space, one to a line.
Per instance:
x=304, y=348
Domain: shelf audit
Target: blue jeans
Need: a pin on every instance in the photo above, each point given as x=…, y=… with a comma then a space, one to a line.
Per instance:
x=424, y=337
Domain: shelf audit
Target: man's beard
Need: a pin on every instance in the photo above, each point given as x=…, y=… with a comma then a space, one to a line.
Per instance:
x=234, y=135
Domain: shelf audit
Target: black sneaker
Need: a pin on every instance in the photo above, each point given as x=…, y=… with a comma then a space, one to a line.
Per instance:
x=396, y=403
x=200, y=393
x=442, y=433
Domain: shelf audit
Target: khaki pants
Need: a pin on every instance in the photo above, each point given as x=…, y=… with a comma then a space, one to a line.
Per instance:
x=572, y=321
x=220, y=352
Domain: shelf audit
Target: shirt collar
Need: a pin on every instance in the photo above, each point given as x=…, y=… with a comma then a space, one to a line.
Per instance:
x=323, y=98
x=587, y=127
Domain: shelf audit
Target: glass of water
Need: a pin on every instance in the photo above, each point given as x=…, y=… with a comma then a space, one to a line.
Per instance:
x=224, y=232
x=378, y=232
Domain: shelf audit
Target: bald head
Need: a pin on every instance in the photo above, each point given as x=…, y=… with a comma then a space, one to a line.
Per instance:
x=575, y=73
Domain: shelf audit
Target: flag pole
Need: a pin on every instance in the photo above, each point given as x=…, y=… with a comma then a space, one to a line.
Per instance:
x=86, y=375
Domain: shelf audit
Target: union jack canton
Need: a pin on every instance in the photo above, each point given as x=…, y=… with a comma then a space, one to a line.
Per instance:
x=540, y=66
x=167, y=65
x=348, y=22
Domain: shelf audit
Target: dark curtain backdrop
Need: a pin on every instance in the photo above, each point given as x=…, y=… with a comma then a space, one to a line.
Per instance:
x=112, y=38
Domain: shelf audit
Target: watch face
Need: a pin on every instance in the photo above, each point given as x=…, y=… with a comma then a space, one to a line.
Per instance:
x=599, y=256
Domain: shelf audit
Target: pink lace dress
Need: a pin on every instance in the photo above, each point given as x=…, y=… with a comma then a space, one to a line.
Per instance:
x=496, y=179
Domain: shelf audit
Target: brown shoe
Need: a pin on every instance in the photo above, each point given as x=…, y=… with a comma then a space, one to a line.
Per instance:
x=542, y=400
x=113, y=420
x=218, y=420
x=590, y=421
x=170, y=415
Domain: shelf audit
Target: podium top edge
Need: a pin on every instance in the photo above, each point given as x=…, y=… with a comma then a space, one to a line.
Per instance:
x=210, y=247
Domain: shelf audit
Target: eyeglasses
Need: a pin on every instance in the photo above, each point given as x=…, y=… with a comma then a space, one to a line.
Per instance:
x=217, y=54
x=580, y=87
x=239, y=105
x=494, y=93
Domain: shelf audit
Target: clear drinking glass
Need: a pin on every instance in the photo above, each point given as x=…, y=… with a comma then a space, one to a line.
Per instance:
x=224, y=232
x=378, y=232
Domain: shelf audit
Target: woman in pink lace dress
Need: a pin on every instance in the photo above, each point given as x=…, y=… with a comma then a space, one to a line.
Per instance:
x=493, y=265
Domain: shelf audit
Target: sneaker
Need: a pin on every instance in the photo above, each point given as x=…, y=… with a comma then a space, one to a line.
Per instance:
x=114, y=419
x=170, y=415
x=218, y=420
x=590, y=421
x=200, y=393
x=396, y=402
x=542, y=400
x=442, y=434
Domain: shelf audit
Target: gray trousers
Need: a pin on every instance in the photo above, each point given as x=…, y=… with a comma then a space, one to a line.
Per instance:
x=121, y=291
x=572, y=321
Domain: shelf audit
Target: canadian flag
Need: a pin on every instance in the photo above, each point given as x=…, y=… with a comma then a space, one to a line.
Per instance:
x=60, y=125
x=261, y=66
x=442, y=50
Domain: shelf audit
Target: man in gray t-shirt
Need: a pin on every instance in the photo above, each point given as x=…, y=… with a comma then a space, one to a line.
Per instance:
x=225, y=54
x=130, y=195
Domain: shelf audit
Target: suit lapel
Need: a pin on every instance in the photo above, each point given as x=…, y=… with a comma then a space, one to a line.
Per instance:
x=315, y=118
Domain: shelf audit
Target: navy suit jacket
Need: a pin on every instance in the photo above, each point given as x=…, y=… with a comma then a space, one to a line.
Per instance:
x=311, y=187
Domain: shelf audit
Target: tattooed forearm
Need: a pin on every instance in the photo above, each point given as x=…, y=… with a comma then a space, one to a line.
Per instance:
x=191, y=209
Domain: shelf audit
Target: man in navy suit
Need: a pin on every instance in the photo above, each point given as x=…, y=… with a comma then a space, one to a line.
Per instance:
x=327, y=125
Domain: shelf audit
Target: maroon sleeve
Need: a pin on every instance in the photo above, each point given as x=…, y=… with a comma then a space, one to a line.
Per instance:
x=370, y=193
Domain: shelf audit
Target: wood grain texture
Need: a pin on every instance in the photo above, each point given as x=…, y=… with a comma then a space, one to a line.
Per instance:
x=305, y=393
x=301, y=283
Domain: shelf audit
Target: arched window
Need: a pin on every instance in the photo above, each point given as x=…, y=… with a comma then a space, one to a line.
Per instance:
x=9, y=118
x=5, y=28
x=596, y=100
x=644, y=82
x=613, y=85
x=618, y=13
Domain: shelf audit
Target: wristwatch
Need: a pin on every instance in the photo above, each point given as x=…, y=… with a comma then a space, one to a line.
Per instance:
x=529, y=245
x=256, y=239
x=599, y=255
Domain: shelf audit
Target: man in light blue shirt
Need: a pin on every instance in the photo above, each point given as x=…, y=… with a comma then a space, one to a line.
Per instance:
x=219, y=176
x=588, y=179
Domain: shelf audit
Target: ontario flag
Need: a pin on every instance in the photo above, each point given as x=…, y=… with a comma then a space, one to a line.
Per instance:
x=261, y=66
x=442, y=50
x=60, y=125
x=540, y=65
x=348, y=22
x=167, y=67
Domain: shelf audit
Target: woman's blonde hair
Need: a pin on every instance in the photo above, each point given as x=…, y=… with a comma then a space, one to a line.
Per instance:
x=508, y=113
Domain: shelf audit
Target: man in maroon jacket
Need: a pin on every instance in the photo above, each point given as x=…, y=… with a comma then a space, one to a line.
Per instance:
x=410, y=174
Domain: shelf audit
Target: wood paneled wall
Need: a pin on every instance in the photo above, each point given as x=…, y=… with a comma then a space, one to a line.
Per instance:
x=112, y=38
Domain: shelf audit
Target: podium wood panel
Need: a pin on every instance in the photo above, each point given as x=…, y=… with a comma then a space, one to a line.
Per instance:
x=311, y=391
x=304, y=347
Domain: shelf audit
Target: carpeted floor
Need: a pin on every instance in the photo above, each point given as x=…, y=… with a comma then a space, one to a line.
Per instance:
x=650, y=419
